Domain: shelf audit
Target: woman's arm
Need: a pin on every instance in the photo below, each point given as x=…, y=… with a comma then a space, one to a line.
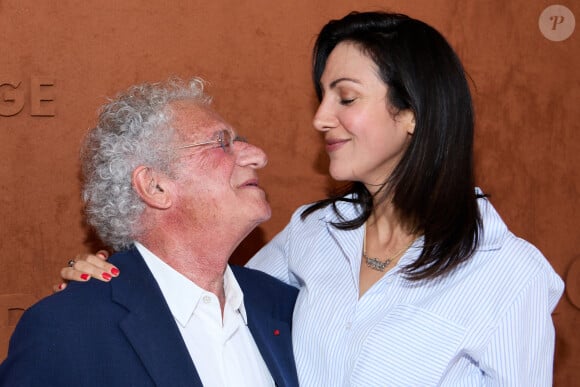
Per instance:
x=274, y=257
x=521, y=350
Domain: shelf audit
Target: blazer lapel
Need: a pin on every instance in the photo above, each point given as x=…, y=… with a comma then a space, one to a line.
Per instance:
x=274, y=340
x=150, y=326
x=270, y=322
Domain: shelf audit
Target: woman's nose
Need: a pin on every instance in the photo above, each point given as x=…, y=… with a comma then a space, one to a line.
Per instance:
x=324, y=119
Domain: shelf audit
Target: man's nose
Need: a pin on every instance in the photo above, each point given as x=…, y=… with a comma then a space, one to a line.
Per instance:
x=249, y=155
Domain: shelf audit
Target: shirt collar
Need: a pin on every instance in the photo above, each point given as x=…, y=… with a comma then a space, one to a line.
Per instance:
x=495, y=230
x=491, y=238
x=183, y=295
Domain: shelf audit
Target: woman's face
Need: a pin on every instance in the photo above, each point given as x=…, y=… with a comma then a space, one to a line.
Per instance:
x=365, y=137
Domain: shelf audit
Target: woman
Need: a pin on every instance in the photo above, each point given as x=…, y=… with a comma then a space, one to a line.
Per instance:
x=409, y=277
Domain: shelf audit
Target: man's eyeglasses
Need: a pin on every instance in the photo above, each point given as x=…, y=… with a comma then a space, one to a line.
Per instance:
x=224, y=139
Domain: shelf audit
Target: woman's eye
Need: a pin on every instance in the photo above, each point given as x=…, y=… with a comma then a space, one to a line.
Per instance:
x=347, y=101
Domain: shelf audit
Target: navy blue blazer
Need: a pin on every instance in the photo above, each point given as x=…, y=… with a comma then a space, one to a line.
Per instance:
x=122, y=333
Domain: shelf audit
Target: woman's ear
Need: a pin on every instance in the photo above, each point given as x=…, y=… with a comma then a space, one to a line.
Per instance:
x=152, y=187
x=407, y=118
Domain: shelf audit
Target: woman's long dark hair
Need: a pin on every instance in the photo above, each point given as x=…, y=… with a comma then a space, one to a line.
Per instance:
x=432, y=187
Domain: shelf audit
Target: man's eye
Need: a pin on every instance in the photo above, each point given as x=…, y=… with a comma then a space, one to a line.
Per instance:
x=224, y=144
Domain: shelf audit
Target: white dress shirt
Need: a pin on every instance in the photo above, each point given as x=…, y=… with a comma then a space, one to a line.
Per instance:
x=487, y=324
x=223, y=350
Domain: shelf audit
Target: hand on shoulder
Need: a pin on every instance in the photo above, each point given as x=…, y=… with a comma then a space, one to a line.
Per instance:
x=87, y=266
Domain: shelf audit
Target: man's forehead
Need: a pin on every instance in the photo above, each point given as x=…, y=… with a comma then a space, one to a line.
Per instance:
x=193, y=120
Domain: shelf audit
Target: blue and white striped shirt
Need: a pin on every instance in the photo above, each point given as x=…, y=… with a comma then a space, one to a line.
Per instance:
x=487, y=324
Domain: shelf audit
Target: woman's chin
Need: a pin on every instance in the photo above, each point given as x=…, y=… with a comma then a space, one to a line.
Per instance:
x=340, y=175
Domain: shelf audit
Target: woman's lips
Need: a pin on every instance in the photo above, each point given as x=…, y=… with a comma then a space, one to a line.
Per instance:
x=333, y=144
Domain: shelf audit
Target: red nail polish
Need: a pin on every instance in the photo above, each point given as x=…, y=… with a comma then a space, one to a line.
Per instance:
x=60, y=286
x=84, y=276
x=106, y=276
x=115, y=271
x=276, y=332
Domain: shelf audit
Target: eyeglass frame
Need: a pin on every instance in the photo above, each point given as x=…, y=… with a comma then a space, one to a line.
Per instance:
x=221, y=140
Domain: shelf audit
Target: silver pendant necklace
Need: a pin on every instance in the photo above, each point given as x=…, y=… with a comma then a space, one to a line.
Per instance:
x=375, y=263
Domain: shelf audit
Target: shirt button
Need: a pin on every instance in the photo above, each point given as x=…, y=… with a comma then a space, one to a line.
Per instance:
x=348, y=325
x=207, y=299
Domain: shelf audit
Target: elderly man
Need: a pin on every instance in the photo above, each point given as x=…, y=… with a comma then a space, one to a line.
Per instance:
x=170, y=185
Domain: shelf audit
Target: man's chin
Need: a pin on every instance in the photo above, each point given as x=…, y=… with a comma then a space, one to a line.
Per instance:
x=267, y=214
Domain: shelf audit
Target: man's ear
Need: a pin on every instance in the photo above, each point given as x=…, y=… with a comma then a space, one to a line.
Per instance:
x=152, y=187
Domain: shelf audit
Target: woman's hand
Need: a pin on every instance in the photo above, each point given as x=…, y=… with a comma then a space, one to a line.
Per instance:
x=85, y=266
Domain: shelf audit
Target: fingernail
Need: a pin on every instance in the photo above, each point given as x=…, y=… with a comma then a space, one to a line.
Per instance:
x=84, y=276
x=60, y=286
x=115, y=271
x=106, y=276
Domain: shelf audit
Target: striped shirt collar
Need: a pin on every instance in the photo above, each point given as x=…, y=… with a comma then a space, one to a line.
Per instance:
x=490, y=240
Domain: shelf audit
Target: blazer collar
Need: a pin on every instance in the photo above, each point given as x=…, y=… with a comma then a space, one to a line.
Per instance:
x=149, y=325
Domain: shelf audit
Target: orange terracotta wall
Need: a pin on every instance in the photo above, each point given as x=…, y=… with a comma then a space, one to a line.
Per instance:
x=59, y=60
